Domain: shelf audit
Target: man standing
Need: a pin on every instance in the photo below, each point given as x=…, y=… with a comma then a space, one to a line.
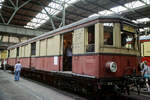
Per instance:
x=146, y=74
x=17, y=70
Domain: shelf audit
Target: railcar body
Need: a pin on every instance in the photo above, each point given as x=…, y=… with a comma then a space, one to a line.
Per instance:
x=99, y=47
x=145, y=50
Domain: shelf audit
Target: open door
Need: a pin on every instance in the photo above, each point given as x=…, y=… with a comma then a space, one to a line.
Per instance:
x=67, y=52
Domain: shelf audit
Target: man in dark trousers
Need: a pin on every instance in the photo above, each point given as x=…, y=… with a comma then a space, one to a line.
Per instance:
x=17, y=70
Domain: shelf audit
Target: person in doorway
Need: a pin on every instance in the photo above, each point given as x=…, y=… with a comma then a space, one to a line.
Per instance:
x=146, y=75
x=69, y=53
x=4, y=64
x=17, y=70
x=90, y=46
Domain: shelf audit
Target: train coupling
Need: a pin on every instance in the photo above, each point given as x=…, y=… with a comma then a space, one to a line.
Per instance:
x=134, y=83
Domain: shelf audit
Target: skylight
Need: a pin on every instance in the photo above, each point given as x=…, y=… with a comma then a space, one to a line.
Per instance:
x=118, y=9
x=141, y=29
x=55, y=8
x=42, y=17
x=113, y=10
x=134, y=4
x=146, y=28
x=143, y=20
x=125, y=7
x=105, y=12
x=1, y=1
x=146, y=1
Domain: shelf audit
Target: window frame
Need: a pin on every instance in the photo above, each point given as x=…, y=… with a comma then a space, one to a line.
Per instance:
x=33, y=48
x=87, y=38
x=105, y=45
x=130, y=33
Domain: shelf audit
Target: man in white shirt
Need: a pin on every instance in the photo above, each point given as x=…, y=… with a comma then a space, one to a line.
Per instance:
x=146, y=74
x=17, y=70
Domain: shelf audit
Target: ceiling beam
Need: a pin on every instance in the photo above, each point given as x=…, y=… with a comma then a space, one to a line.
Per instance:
x=20, y=30
x=139, y=13
x=16, y=9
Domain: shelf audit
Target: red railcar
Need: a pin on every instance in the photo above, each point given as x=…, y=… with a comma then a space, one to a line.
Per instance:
x=101, y=56
x=145, y=52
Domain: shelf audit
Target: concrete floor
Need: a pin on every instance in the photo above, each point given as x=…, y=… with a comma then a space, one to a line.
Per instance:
x=30, y=90
x=26, y=89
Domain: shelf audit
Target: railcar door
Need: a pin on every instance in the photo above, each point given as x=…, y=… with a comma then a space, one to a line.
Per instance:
x=67, y=52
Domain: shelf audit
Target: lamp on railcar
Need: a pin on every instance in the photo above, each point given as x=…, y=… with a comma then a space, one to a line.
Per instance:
x=111, y=67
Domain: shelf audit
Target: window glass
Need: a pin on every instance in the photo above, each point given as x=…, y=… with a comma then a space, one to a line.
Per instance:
x=17, y=51
x=33, y=48
x=8, y=53
x=108, y=33
x=127, y=40
x=90, y=47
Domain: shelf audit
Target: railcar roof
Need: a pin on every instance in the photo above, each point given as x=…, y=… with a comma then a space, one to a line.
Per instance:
x=85, y=20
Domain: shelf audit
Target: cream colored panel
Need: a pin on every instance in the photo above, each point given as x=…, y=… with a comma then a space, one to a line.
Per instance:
x=61, y=44
x=27, y=50
x=13, y=53
x=43, y=47
x=117, y=35
x=20, y=52
x=38, y=48
x=23, y=51
x=101, y=28
x=146, y=48
x=53, y=45
x=142, y=49
x=98, y=36
x=0, y=55
x=86, y=36
x=79, y=41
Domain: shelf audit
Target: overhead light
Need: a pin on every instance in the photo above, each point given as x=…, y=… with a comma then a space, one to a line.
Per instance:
x=146, y=19
x=146, y=1
x=134, y=4
x=1, y=1
x=118, y=9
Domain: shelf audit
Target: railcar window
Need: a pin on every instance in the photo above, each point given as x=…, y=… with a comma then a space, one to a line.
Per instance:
x=127, y=40
x=33, y=48
x=90, y=47
x=17, y=51
x=108, y=33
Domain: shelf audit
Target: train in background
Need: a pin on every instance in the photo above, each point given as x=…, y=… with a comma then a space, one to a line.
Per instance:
x=145, y=48
x=3, y=57
x=102, y=59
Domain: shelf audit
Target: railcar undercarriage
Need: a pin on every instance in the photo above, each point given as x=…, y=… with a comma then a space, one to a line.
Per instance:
x=84, y=85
